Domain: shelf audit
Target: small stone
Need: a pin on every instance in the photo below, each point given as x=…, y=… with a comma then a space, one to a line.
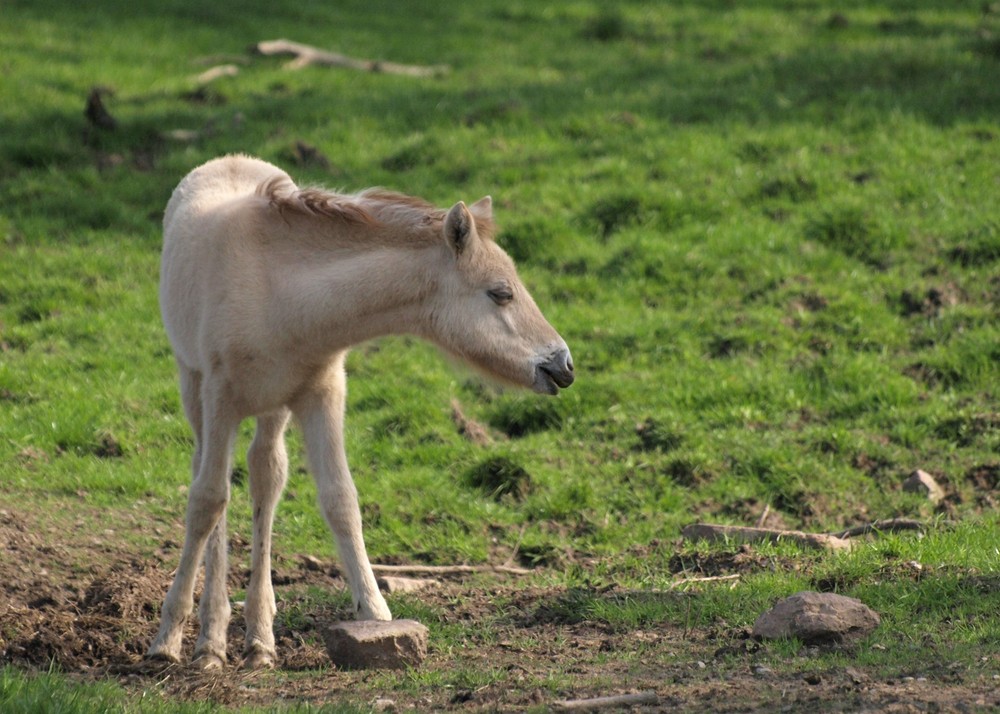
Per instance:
x=760, y=670
x=376, y=644
x=385, y=705
x=856, y=676
x=395, y=584
x=816, y=618
x=923, y=483
x=700, y=665
x=312, y=563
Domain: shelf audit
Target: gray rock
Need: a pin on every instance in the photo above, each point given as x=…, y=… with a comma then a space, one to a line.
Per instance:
x=375, y=644
x=923, y=483
x=817, y=618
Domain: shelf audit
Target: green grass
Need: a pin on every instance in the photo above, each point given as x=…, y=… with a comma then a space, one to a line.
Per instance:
x=53, y=693
x=769, y=233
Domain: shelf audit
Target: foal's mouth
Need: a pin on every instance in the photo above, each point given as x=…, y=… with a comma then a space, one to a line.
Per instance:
x=554, y=374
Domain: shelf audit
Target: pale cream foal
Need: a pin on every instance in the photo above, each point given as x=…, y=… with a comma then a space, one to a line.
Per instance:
x=264, y=287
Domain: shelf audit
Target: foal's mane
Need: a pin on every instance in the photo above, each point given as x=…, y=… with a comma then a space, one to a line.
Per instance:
x=373, y=207
x=285, y=197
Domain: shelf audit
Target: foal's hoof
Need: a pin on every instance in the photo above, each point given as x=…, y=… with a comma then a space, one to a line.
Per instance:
x=165, y=656
x=258, y=660
x=208, y=663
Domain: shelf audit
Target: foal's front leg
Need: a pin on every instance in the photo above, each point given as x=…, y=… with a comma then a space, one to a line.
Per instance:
x=321, y=414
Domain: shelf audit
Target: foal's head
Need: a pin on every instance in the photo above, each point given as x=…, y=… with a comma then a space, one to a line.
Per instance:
x=485, y=315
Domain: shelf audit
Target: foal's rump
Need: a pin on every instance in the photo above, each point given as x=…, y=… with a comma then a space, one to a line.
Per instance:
x=216, y=182
x=209, y=265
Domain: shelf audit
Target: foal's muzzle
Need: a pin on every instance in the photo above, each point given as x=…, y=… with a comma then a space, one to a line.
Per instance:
x=554, y=373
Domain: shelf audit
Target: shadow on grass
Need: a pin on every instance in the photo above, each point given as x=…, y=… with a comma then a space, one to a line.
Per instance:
x=940, y=70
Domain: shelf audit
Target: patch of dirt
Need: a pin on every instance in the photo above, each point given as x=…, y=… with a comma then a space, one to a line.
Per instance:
x=91, y=612
x=744, y=560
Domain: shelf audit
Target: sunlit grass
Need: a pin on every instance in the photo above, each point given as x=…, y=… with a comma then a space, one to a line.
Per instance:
x=768, y=233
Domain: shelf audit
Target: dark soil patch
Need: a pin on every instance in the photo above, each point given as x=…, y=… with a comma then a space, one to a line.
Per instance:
x=743, y=560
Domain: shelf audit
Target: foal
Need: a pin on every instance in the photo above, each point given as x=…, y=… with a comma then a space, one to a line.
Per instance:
x=263, y=289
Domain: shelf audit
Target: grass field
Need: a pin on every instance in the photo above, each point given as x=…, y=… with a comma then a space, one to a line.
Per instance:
x=769, y=232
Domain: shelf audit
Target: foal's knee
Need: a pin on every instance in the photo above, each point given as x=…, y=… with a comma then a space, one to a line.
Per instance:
x=208, y=503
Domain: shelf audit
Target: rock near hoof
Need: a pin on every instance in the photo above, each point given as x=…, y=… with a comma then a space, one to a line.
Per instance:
x=817, y=618
x=374, y=644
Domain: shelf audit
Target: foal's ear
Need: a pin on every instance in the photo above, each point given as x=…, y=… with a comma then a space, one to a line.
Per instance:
x=482, y=209
x=459, y=227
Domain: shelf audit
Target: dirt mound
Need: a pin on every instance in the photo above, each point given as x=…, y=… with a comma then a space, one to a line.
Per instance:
x=129, y=592
x=55, y=610
x=69, y=641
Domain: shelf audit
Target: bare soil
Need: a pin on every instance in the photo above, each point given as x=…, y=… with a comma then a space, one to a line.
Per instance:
x=89, y=605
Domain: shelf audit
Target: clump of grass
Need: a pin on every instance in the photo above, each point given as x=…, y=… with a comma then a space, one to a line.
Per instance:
x=500, y=476
x=687, y=472
x=608, y=25
x=851, y=230
x=795, y=188
x=614, y=212
x=725, y=346
x=532, y=240
x=418, y=151
x=656, y=436
x=977, y=247
x=523, y=416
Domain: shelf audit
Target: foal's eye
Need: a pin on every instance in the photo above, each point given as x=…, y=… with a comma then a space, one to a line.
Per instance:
x=501, y=296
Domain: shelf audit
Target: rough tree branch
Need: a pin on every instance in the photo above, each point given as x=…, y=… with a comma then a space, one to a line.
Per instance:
x=306, y=55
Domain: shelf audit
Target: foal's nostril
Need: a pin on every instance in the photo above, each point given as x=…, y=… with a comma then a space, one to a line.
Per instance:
x=564, y=360
x=562, y=368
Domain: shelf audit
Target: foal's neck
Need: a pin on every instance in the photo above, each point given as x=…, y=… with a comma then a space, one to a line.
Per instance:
x=357, y=295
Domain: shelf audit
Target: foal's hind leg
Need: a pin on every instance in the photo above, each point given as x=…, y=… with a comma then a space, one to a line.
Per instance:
x=214, y=609
x=207, y=501
x=268, y=464
x=320, y=411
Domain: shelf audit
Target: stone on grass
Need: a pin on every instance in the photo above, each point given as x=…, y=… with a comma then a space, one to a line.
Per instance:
x=395, y=584
x=311, y=562
x=817, y=618
x=376, y=644
x=923, y=483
